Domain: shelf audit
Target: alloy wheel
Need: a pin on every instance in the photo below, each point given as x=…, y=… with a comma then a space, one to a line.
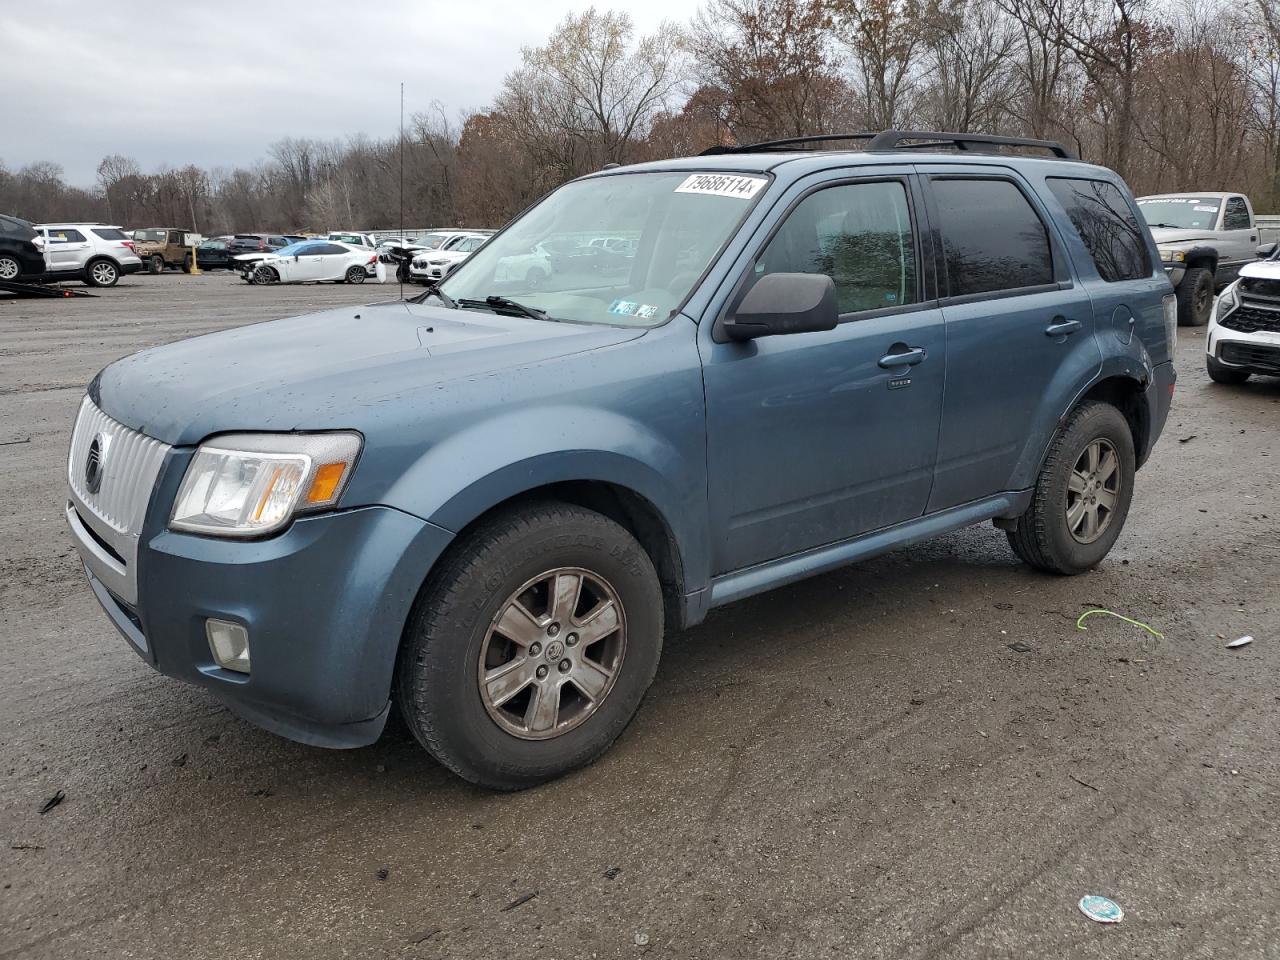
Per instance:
x=552, y=653
x=8, y=268
x=1093, y=491
x=104, y=274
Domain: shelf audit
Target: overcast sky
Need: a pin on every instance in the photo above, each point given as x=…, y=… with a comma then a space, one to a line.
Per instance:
x=174, y=86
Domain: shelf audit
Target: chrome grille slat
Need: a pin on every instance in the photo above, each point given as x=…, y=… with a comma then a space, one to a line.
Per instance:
x=117, y=510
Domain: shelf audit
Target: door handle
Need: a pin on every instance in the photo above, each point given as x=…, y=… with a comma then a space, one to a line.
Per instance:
x=1061, y=327
x=907, y=357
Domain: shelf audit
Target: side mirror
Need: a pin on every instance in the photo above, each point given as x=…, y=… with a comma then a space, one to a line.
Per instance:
x=785, y=303
x=1265, y=250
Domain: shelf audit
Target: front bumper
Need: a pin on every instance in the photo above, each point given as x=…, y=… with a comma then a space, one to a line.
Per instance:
x=1247, y=339
x=325, y=604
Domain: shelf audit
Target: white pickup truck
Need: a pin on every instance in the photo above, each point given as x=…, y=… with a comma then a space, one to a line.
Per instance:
x=1204, y=239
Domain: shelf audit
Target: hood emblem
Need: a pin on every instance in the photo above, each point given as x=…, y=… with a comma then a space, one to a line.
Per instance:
x=95, y=463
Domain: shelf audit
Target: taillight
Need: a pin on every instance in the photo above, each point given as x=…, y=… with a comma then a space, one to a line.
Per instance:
x=129, y=244
x=374, y=258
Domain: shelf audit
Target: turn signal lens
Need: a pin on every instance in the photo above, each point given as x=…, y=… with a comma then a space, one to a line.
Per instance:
x=326, y=481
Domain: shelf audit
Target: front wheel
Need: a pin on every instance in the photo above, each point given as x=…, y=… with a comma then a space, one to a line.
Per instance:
x=530, y=649
x=1195, y=297
x=155, y=264
x=355, y=275
x=1082, y=496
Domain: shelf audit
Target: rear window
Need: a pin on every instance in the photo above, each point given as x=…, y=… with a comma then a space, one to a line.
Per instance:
x=13, y=227
x=992, y=237
x=109, y=233
x=1107, y=226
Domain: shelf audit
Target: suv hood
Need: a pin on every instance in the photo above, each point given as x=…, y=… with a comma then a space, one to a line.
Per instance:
x=323, y=371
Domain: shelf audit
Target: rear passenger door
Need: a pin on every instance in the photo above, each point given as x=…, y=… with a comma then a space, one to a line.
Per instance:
x=818, y=437
x=1020, y=331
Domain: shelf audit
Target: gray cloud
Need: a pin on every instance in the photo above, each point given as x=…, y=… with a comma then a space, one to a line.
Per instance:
x=217, y=88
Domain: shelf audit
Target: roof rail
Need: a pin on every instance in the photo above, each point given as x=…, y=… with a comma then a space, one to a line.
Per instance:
x=889, y=140
x=766, y=145
x=976, y=142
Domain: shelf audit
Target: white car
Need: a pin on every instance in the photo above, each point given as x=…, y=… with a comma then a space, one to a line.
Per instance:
x=434, y=265
x=96, y=253
x=1243, y=336
x=312, y=261
x=532, y=268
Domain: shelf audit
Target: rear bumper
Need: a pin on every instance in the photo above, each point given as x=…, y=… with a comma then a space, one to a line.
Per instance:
x=325, y=605
x=1158, y=399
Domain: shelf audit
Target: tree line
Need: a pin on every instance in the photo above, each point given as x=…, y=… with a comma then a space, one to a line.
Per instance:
x=1174, y=95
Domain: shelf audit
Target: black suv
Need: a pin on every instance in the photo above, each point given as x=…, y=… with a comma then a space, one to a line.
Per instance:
x=256, y=243
x=20, y=258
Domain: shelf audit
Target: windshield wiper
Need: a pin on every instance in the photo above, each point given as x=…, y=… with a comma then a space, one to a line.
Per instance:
x=433, y=290
x=506, y=303
x=1167, y=226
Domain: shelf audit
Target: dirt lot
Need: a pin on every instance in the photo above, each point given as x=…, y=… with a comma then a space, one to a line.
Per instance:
x=855, y=766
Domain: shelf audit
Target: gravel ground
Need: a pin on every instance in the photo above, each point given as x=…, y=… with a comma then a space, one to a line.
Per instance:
x=859, y=765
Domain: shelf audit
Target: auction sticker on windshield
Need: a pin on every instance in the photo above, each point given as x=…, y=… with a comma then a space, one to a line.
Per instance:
x=722, y=185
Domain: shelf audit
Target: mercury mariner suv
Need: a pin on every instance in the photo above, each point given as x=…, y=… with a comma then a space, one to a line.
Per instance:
x=486, y=506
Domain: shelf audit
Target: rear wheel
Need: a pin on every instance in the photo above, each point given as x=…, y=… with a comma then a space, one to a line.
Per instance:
x=355, y=275
x=1219, y=372
x=531, y=647
x=155, y=264
x=186, y=263
x=9, y=267
x=1195, y=297
x=101, y=273
x=1082, y=496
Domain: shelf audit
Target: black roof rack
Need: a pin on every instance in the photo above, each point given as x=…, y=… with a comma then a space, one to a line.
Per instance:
x=889, y=140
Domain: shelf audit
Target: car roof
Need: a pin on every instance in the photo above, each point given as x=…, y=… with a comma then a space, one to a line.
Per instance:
x=794, y=164
x=67, y=224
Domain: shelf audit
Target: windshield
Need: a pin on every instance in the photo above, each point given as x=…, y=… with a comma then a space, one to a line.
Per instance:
x=1184, y=213
x=668, y=228
x=149, y=236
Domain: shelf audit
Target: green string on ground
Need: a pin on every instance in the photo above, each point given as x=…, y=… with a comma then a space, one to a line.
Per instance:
x=1111, y=613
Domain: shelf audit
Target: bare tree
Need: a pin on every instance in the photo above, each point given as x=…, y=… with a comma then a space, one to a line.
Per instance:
x=883, y=38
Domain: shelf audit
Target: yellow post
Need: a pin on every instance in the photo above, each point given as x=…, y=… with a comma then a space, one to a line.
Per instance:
x=195, y=267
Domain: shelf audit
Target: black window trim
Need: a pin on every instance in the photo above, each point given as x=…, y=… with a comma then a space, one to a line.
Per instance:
x=1153, y=264
x=919, y=227
x=1062, y=279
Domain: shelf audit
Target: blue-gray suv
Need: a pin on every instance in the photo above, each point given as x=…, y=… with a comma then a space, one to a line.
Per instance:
x=662, y=388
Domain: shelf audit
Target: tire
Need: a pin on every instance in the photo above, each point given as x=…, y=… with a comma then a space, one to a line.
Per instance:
x=10, y=268
x=155, y=264
x=1044, y=537
x=1219, y=372
x=354, y=275
x=101, y=273
x=454, y=635
x=265, y=275
x=1195, y=297
x=186, y=263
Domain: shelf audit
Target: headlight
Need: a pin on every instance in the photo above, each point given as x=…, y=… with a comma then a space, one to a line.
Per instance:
x=1171, y=254
x=1228, y=300
x=250, y=484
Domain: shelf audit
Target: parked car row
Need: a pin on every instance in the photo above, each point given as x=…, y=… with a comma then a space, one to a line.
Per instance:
x=96, y=253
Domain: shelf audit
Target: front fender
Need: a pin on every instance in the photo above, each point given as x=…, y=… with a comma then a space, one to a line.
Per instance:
x=516, y=451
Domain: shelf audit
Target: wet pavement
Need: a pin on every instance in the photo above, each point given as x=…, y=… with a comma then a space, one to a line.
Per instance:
x=859, y=765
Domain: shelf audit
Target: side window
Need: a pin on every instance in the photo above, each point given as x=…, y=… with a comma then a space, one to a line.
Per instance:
x=1107, y=226
x=858, y=234
x=329, y=249
x=63, y=235
x=1236, y=216
x=992, y=238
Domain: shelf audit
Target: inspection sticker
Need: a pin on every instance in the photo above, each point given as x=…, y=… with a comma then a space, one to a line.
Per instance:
x=722, y=185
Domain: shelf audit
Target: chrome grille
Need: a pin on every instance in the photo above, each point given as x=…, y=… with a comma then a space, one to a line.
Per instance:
x=129, y=464
x=110, y=511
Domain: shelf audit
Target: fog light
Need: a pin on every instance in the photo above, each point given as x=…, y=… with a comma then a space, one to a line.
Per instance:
x=229, y=643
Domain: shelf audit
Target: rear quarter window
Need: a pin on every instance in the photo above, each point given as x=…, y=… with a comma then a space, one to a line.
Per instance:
x=1106, y=224
x=108, y=233
x=993, y=239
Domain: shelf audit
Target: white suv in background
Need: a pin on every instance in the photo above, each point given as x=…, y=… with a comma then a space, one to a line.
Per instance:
x=431, y=266
x=96, y=253
x=1243, y=337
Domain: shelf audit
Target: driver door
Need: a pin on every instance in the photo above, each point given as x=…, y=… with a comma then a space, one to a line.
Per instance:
x=817, y=437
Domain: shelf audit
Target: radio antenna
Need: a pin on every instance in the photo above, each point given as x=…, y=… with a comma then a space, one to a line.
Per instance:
x=399, y=265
